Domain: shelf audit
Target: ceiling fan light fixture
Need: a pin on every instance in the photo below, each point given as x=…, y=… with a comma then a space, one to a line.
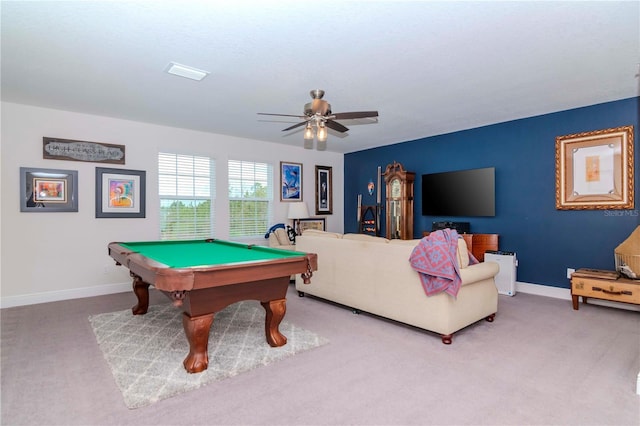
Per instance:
x=318, y=114
x=308, y=132
x=322, y=132
x=308, y=144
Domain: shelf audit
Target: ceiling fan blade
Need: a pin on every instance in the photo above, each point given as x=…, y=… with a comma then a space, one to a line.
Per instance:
x=294, y=126
x=354, y=114
x=281, y=115
x=336, y=126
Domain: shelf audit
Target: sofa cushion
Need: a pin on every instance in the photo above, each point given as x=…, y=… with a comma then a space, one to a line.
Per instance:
x=462, y=252
x=411, y=243
x=323, y=234
x=365, y=237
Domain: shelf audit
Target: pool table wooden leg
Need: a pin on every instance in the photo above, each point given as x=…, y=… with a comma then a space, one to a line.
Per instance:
x=197, y=331
x=141, y=290
x=275, y=310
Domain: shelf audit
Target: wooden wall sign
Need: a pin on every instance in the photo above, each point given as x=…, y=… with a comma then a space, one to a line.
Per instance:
x=96, y=152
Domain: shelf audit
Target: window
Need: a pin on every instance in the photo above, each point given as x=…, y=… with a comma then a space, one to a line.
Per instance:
x=250, y=198
x=186, y=189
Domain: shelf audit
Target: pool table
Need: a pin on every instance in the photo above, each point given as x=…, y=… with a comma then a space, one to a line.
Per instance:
x=205, y=276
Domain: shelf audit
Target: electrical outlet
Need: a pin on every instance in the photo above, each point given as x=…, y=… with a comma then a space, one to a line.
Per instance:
x=569, y=272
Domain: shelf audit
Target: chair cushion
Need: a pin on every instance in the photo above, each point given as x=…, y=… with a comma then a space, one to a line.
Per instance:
x=282, y=237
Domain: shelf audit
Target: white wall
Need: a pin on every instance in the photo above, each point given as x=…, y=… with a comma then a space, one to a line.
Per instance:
x=56, y=256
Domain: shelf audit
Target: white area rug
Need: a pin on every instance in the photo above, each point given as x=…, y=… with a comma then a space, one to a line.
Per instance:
x=145, y=352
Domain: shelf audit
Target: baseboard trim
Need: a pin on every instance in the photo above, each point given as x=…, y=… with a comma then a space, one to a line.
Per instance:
x=56, y=296
x=79, y=293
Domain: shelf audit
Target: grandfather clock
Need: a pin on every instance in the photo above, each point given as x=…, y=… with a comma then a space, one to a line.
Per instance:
x=399, y=202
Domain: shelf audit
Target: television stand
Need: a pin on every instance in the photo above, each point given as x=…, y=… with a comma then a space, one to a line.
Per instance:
x=461, y=227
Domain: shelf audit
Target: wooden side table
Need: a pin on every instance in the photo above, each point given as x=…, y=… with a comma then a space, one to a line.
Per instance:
x=602, y=285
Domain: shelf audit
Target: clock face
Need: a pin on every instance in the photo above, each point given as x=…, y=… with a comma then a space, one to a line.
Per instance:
x=395, y=188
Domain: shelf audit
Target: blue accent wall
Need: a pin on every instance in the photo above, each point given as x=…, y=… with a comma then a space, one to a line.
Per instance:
x=546, y=241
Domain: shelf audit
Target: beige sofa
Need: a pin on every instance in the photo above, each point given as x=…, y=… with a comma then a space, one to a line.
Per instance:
x=373, y=274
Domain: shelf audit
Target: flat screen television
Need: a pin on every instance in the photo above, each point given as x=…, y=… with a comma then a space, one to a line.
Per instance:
x=459, y=193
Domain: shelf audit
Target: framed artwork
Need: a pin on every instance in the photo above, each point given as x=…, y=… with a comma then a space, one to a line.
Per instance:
x=290, y=181
x=48, y=190
x=594, y=170
x=324, y=190
x=317, y=224
x=71, y=150
x=120, y=193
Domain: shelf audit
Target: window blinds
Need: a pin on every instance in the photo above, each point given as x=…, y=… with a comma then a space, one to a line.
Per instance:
x=187, y=190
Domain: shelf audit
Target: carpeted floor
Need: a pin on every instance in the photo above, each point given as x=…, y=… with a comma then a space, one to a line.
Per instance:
x=539, y=363
x=145, y=352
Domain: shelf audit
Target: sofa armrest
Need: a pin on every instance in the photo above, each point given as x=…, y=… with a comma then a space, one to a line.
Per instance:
x=478, y=272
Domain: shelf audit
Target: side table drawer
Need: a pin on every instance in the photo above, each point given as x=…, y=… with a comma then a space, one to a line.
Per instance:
x=618, y=291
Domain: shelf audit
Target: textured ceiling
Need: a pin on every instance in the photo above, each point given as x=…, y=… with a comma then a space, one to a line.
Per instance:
x=428, y=67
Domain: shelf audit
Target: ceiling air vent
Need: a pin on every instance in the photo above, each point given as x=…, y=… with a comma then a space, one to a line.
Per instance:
x=186, y=71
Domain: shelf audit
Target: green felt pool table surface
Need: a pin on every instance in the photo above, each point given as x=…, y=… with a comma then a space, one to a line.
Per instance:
x=195, y=253
x=193, y=264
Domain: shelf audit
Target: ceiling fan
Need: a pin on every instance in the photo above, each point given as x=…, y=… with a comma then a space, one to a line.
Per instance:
x=318, y=113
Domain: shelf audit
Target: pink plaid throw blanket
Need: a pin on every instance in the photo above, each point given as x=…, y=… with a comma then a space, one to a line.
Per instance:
x=434, y=258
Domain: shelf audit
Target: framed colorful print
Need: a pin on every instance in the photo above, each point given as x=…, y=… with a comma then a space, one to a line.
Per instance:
x=120, y=193
x=594, y=170
x=290, y=181
x=317, y=224
x=48, y=190
x=324, y=190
